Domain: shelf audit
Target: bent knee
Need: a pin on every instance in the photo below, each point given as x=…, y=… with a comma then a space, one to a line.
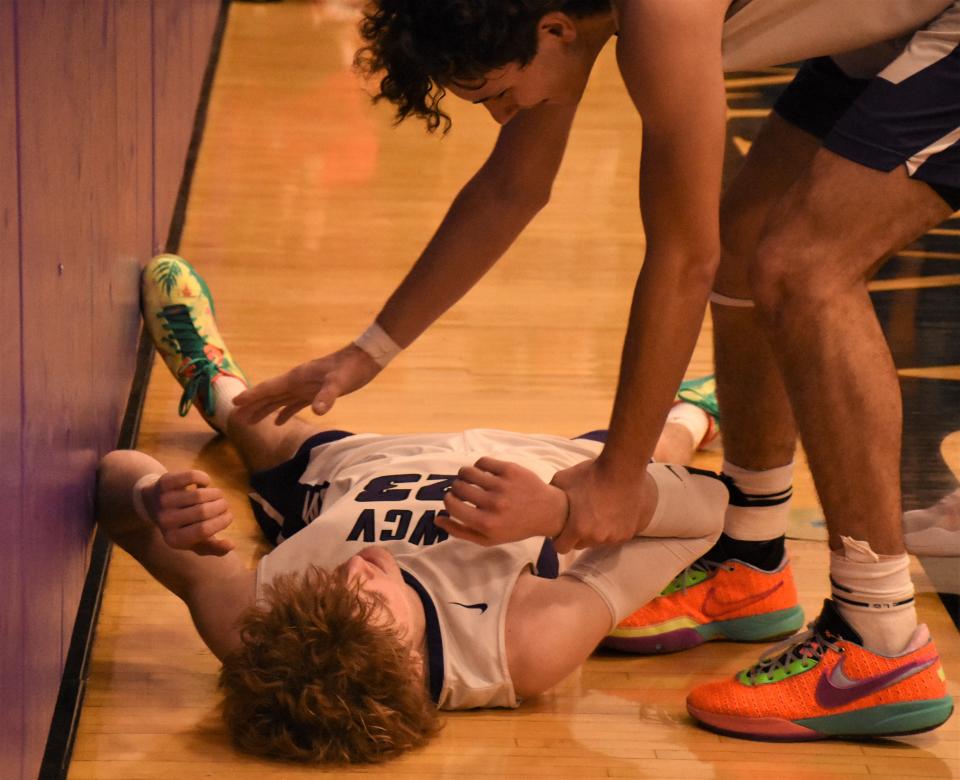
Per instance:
x=796, y=272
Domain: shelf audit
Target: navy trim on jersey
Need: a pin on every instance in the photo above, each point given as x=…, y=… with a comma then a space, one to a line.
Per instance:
x=280, y=487
x=548, y=564
x=319, y=439
x=600, y=436
x=434, y=637
x=269, y=527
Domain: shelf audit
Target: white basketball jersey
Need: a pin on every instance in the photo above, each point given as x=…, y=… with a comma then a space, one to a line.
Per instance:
x=387, y=490
x=762, y=33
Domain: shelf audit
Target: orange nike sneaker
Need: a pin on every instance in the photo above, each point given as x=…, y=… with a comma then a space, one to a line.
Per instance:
x=826, y=684
x=709, y=600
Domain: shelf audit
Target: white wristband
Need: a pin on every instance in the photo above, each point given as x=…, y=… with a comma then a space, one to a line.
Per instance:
x=147, y=480
x=376, y=342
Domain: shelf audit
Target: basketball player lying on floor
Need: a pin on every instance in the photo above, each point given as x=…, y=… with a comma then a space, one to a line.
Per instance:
x=368, y=616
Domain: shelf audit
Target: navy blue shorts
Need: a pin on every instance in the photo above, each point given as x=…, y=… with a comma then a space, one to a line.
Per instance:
x=881, y=124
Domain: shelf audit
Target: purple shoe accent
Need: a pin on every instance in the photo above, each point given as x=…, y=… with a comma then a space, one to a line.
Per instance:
x=835, y=689
x=672, y=642
x=758, y=728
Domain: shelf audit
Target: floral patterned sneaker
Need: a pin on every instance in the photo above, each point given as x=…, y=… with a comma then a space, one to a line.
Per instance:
x=178, y=312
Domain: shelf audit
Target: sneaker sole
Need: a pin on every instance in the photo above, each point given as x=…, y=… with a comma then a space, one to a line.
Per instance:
x=757, y=628
x=888, y=720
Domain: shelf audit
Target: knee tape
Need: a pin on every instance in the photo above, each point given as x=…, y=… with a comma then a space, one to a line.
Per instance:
x=690, y=507
x=725, y=300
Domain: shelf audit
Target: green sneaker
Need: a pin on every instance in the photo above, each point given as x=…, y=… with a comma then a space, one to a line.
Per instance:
x=178, y=312
x=702, y=393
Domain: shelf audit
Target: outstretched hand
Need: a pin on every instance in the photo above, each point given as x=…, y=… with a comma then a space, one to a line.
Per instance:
x=494, y=502
x=602, y=510
x=189, y=513
x=317, y=383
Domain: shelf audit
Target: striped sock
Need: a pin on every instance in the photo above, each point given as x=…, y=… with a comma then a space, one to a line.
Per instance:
x=874, y=593
x=759, y=504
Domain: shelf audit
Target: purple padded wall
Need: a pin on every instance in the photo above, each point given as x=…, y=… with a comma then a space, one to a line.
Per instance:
x=97, y=101
x=11, y=612
x=65, y=148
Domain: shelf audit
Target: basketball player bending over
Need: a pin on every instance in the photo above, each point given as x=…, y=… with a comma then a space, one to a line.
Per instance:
x=860, y=156
x=367, y=616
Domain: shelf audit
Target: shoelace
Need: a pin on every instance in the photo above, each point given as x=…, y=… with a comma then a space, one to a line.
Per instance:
x=811, y=644
x=681, y=581
x=199, y=370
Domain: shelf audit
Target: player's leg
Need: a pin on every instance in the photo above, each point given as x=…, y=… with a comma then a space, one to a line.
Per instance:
x=889, y=171
x=878, y=672
x=692, y=424
x=553, y=625
x=179, y=313
x=865, y=667
x=761, y=431
x=813, y=262
x=810, y=283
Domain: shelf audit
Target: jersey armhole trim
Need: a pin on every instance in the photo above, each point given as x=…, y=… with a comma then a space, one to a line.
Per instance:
x=434, y=637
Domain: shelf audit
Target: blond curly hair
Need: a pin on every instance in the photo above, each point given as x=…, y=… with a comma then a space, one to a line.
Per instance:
x=320, y=679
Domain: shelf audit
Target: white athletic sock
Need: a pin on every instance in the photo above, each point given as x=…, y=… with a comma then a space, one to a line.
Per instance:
x=762, y=509
x=874, y=593
x=225, y=388
x=692, y=418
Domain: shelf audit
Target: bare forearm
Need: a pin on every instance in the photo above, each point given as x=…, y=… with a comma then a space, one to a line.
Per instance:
x=216, y=589
x=176, y=570
x=479, y=227
x=683, y=110
x=484, y=220
x=659, y=342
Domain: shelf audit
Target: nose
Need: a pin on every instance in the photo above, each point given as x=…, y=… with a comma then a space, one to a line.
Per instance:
x=503, y=114
x=356, y=567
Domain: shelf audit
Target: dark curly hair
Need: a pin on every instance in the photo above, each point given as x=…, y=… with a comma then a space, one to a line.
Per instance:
x=319, y=679
x=422, y=45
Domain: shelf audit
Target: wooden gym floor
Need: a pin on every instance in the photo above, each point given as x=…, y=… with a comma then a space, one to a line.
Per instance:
x=307, y=208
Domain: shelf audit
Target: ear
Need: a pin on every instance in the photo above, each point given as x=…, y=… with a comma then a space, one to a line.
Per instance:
x=557, y=26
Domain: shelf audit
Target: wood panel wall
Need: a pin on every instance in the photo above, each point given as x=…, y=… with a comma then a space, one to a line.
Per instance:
x=97, y=105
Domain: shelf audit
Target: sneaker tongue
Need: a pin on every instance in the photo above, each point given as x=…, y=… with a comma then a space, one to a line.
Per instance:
x=831, y=621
